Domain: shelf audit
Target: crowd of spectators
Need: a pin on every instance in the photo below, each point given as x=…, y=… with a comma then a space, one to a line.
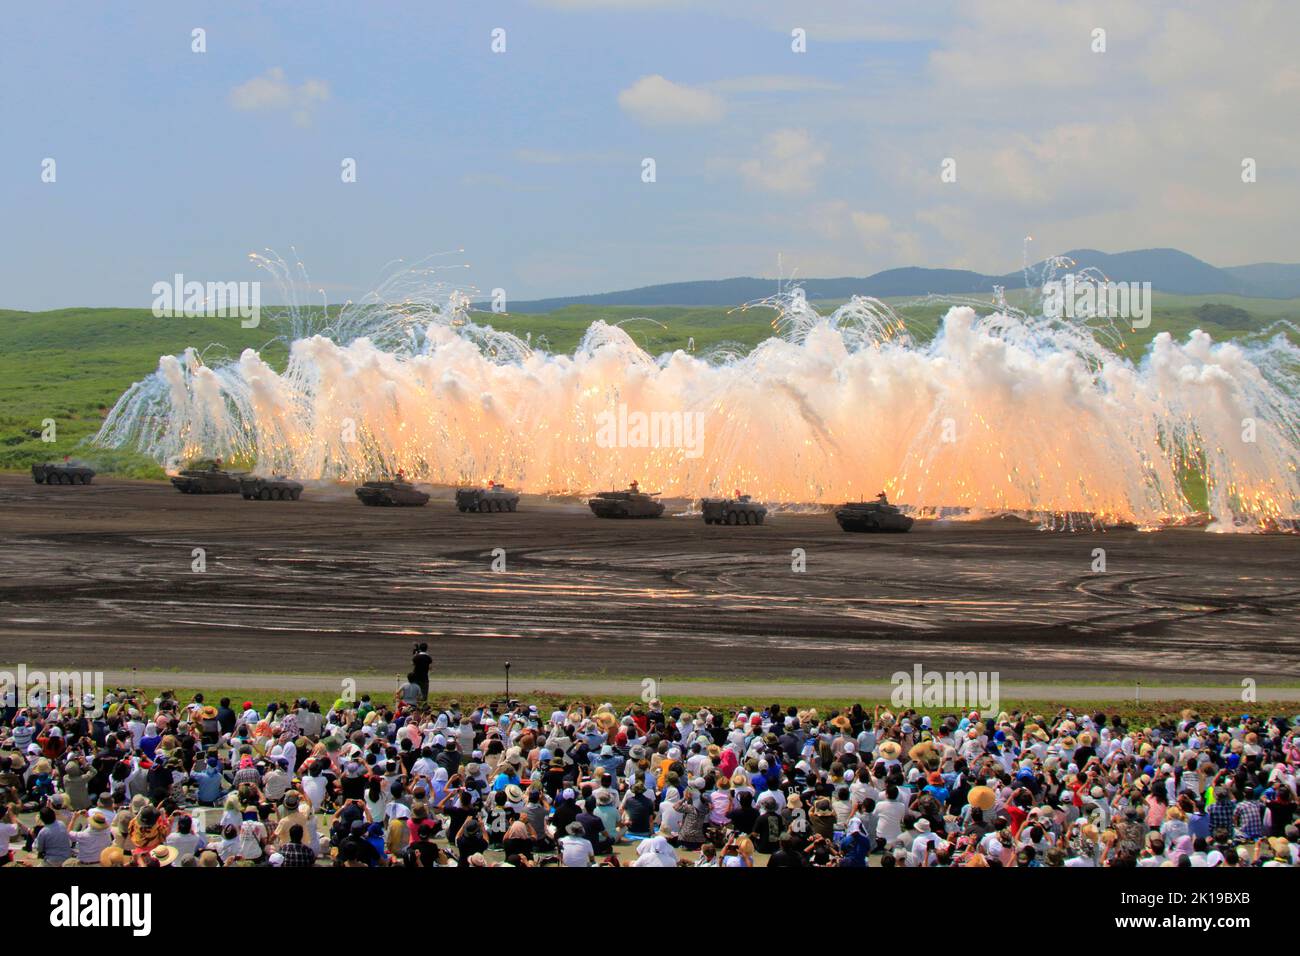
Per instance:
x=164, y=782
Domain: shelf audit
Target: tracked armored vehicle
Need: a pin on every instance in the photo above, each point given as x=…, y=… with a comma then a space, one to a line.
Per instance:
x=278, y=488
x=632, y=503
x=398, y=492
x=65, y=473
x=872, y=516
x=495, y=497
x=208, y=478
x=738, y=509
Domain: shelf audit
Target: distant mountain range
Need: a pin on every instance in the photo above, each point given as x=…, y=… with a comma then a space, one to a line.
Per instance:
x=1168, y=270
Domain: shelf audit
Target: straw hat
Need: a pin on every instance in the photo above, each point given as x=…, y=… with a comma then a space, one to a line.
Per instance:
x=164, y=854
x=98, y=821
x=924, y=752
x=208, y=713
x=112, y=856
x=981, y=798
x=890, y=749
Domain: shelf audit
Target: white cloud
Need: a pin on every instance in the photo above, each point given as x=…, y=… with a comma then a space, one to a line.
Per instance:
x=788, y=161
x=273, y=92
x=656, y=101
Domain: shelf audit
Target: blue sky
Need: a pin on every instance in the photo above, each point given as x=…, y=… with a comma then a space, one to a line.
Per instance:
x=530, y=160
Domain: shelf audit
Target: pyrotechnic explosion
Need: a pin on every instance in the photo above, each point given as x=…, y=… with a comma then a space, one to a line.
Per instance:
x=997, y=411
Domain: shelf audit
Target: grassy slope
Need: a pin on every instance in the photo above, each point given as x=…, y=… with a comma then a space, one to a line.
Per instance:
x=72, y=364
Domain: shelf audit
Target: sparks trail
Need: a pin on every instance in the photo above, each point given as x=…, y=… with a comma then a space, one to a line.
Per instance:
x=1003, y=410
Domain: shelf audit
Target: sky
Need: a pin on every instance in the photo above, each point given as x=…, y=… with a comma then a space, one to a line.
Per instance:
x=530, y=159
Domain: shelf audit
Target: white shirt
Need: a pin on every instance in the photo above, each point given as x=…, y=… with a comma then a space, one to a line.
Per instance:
x=920, y=846
x=576, y=850
x=889, y=819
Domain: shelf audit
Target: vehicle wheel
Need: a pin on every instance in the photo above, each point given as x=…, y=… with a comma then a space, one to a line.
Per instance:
x=265, y=494
x=759, y=519
x=297, y=493
x=484, y=507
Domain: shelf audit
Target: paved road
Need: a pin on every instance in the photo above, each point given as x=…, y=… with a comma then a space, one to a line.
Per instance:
x=625, y=689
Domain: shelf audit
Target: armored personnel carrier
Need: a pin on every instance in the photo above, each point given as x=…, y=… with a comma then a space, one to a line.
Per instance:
x=738, y=509
x=632, y=503
x=495, y=497
x=65, y=473
x=397, y=492
x=878, y=515
x=208, y=478
x=278, y=488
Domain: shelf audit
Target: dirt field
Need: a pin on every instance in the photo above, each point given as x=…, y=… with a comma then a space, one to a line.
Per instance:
x=100, y=577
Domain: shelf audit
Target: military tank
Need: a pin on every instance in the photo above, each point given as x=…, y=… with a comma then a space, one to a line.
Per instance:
x=631, y=503
x=207, y=478
x=389, y=493
x=65, y=473
x=738, y=509
x=494, y=497
x=869, y=516
x=278, y=488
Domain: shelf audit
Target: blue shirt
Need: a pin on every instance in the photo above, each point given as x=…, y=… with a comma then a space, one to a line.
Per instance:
x=210, y=784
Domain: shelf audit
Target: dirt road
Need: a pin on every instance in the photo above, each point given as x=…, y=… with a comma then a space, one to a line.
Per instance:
x=101, y=578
